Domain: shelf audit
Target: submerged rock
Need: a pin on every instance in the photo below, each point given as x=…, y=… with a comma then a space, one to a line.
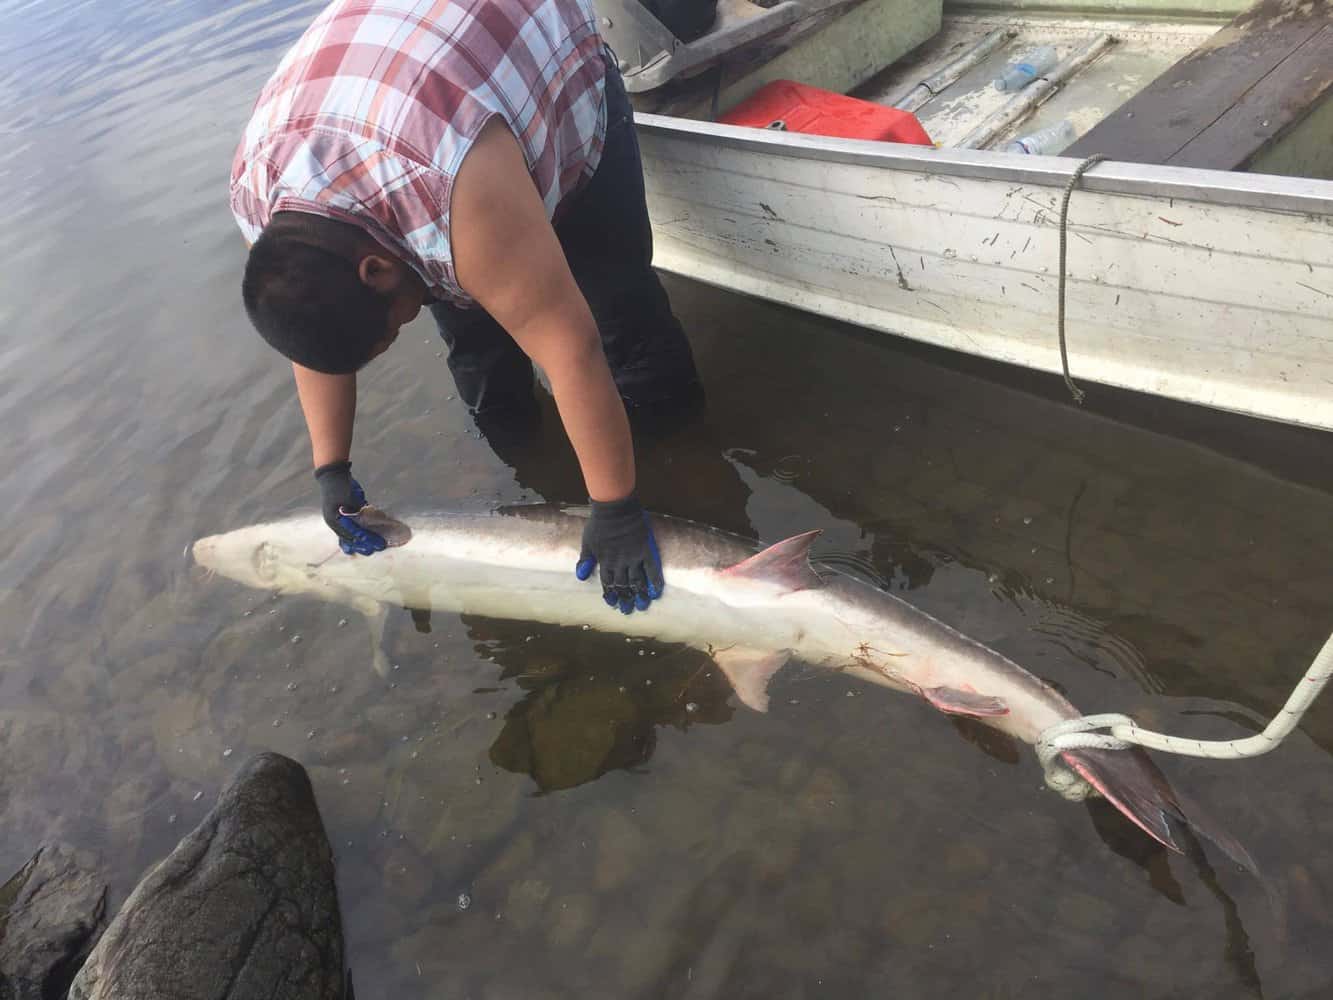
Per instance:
x=245, y=906
x=51, y=914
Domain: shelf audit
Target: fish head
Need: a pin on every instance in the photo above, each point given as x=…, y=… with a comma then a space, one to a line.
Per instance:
x=281, y=556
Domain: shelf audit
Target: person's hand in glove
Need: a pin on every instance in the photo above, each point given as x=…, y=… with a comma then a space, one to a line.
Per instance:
x=619, y=539
x=342, y=499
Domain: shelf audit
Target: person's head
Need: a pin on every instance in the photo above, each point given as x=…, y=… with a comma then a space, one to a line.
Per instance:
x=325, y=295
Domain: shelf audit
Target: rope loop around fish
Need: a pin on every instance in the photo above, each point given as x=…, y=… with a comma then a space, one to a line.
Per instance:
x=1121, y=732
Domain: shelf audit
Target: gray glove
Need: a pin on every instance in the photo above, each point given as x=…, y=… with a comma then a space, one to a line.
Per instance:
x=619, y=538
x=342, y=498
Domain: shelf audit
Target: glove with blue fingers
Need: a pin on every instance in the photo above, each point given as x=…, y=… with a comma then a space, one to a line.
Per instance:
x=342, y=499
x=619, y=538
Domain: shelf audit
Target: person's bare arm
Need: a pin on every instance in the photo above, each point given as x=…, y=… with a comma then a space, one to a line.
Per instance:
x=329, y=405
x=507, y=257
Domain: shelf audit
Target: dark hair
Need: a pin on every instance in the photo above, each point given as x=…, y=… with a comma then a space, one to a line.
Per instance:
x=311, y=305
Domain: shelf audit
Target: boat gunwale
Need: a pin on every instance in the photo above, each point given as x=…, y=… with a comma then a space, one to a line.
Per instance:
x=1263, y=191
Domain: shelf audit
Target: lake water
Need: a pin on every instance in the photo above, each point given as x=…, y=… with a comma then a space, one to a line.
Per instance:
x=1144, y=557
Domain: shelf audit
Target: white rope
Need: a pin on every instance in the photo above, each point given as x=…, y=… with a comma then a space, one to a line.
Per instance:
x=1122, y=732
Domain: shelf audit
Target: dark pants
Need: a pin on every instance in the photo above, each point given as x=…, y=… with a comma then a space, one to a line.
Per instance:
x=608, y=243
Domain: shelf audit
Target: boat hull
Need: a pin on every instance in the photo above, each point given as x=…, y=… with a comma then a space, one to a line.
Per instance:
x=1203, y=286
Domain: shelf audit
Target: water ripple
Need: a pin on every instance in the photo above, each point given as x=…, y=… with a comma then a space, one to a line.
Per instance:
x=125, y=54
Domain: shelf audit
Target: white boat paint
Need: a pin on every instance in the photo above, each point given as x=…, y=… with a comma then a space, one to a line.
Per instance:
x=1203, y=286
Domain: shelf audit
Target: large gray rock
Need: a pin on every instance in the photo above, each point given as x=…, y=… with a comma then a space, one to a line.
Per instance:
x=51, y=913
x=245, y=906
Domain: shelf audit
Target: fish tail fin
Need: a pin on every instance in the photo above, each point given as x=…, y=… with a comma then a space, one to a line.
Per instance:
x=1131, y=782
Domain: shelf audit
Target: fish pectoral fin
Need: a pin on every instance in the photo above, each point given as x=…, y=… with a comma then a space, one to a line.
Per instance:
x=750, y=670
x=955, y=701
x=376, y=617
x=393, y=531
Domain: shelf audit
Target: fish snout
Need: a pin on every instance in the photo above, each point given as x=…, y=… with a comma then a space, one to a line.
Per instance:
x=199, y=552
x=201, y=559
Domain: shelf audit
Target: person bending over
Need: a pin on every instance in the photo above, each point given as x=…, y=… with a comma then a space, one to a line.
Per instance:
x=477, y=157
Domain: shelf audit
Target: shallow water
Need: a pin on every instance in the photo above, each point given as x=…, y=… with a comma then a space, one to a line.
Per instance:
x=1146, y=558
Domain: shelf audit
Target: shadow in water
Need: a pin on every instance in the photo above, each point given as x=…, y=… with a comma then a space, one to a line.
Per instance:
x=1128, y=841
x=993, y=743
x=577, y=719
x=1132, y=844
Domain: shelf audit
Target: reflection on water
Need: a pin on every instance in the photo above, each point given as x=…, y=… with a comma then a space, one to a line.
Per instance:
x=615, y=841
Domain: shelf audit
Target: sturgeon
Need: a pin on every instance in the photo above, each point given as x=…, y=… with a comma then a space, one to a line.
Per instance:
x=750, y=610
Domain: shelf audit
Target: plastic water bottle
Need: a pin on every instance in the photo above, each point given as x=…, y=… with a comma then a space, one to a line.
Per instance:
x=1052, y=139
x=1018, y=75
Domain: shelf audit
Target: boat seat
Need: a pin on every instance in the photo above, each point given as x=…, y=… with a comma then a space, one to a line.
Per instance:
x=1227, y=103
x=650, y=55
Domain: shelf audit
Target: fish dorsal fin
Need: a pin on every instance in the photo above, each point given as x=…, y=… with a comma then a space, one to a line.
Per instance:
x=785, y=564
x=749, y=671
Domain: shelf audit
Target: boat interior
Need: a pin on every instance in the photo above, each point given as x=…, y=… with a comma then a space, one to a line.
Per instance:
x=1200, y=83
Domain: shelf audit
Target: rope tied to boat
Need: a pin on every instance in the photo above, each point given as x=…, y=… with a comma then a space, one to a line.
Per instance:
x=1121, y=732
x=1079, y=171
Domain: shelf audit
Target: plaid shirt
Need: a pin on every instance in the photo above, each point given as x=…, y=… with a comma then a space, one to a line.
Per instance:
x=368, y=117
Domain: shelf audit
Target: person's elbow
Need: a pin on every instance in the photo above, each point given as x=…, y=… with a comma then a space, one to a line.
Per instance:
x=585, y=345
x=572, y=350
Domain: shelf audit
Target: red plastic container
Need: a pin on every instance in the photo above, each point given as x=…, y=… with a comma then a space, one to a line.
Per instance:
x=799, y=108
